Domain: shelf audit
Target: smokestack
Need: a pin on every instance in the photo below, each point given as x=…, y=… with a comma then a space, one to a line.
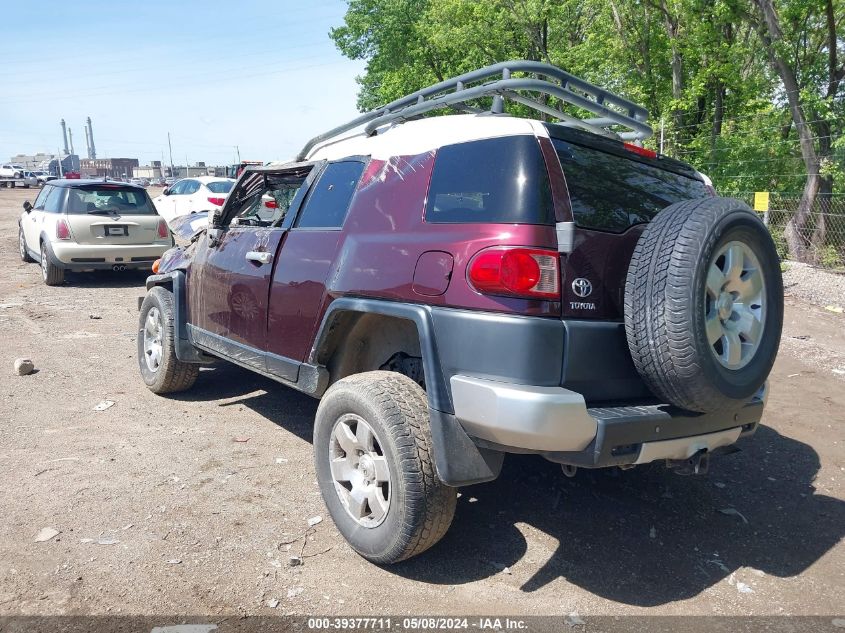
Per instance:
x=70, y=137
x=93, y=153
x=64, y=135
x=87, y=143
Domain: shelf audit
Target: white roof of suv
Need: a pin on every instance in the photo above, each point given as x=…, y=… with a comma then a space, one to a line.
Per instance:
x=415, y=137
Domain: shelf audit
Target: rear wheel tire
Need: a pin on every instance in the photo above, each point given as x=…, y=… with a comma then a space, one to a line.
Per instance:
x=50, y=273
x=704, y=304
x=161, y=370
x=375, y=467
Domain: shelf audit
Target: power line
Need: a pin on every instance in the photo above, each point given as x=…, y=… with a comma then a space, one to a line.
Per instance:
x=766, y=144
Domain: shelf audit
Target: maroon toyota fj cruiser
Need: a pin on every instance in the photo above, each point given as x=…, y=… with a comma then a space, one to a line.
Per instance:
x=456, y=288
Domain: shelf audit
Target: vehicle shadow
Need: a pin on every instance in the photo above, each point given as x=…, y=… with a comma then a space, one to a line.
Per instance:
x=642, y=537
x=107, y=279
x=290, y=409
x=645, y=536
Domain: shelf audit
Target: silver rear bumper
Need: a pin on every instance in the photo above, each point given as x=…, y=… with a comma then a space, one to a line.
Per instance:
x=557, y=423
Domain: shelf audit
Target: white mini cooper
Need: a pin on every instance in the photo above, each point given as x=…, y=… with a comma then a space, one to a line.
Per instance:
x=84, y=225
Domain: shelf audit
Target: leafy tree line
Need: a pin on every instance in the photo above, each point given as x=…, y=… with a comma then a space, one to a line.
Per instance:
x=748, y=91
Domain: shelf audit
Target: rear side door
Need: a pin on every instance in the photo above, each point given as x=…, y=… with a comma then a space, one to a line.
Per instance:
x=229, y=280
x=299, y=282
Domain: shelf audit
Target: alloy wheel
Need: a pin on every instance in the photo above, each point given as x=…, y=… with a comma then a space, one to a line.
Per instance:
x=735, y=305
x=153, y=346
x=360, y=471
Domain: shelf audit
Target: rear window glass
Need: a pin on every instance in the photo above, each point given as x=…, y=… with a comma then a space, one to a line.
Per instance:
x=124, y=200
x=221, y=186
x=498, y=180
x=612, y=193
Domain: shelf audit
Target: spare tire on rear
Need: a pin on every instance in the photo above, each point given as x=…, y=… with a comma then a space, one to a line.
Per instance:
x=704, y=304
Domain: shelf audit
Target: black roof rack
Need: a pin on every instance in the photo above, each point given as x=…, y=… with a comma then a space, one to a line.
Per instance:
x=545, y=79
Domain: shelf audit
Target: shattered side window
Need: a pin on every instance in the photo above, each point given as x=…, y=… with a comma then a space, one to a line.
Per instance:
x=263, y=200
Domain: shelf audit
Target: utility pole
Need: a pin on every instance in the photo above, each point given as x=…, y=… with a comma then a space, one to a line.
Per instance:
x=170, y=147
x=238, y=150
x=661, y=135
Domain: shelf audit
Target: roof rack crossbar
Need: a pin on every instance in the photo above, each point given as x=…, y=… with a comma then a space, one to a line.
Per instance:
x=612, y=110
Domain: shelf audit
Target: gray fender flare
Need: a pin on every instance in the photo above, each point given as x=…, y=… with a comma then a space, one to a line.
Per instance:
x=458, y=460
x=175, y=281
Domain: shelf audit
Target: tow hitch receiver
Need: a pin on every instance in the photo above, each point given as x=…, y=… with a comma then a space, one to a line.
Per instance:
x=697, y=464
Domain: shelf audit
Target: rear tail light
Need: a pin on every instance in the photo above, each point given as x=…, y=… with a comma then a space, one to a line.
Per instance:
x=217, y=201
x=271, y=204
x=163, y=231
x=62, y=229
x=532, y=273
x=708, y=185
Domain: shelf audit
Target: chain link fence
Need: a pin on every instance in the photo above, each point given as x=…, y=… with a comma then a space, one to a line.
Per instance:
x=823, y=235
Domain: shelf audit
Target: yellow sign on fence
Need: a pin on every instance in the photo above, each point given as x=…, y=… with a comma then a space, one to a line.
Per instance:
x=761, y=201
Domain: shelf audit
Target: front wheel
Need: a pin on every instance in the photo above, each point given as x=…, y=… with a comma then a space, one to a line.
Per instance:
x=25, y=256
x=161, y=370
x=375, y=467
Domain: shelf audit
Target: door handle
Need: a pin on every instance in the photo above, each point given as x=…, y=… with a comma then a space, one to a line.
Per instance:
x=258, y=257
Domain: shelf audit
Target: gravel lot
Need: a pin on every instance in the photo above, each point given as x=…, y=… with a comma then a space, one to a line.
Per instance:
x=194, y=504
x=815, y=285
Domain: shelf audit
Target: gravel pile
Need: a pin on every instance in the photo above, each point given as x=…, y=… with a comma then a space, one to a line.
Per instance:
x=814, y=285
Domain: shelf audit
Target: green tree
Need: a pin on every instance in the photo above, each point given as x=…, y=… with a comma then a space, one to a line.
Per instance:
x=748, y=91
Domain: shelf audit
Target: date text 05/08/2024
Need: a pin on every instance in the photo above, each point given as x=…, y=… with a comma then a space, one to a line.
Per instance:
x=417, y=623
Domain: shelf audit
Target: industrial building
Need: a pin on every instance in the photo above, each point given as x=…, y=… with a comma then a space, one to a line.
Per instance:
x=111, y=167
x=33, y=161
x=93, y=167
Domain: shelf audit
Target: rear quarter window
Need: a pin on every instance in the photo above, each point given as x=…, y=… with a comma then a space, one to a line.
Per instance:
x=613, y=193
x=499, y=180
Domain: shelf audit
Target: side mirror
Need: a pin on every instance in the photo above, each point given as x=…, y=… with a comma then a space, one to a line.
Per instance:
x=27, y=206
x=215, y=226
x=166, y=191
x=215, y=218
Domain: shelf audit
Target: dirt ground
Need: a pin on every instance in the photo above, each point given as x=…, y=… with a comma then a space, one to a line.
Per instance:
x=184, y=505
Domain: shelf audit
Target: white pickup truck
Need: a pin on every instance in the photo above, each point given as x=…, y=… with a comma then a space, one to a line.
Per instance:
x=11, y=174
x=10, y=170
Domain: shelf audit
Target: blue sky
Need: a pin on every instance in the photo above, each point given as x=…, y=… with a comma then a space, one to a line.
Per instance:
x=260, y=74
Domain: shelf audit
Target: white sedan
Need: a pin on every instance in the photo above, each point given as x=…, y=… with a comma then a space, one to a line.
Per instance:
x=192, y=195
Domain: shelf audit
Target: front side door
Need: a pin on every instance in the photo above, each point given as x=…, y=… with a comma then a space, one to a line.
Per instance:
x=31, y=223
x=229, y=281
